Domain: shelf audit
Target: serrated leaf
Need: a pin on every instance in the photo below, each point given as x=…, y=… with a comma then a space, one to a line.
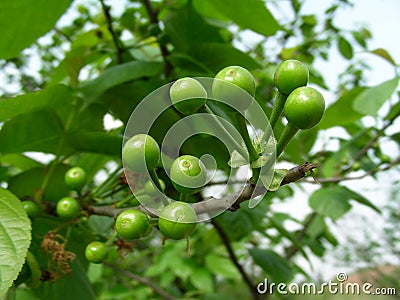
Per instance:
x=279, y=174
x=15, y=236
x=237, y=160
x=383, y=53
x=370, y=100
x=260, y=162
x=273, y=264
x=345, y=48
x=26, y=20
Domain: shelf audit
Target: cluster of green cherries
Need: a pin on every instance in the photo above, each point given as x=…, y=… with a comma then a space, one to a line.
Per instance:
x=302, y=106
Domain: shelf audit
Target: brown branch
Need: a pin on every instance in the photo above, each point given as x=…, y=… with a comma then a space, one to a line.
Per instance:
x=211, y=205
x=372, y=142
x=235, y=261
x=120, y=50
x=292, y=250
x=142, y=280
x=163, y=48
x=366, y=174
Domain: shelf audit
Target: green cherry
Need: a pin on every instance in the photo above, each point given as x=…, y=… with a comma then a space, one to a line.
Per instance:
x=68, y=208
x=96, y=252
x=141, y=153
x=75, y=178
x=187, y=95
x=188, y=174
x=290, y=75
x=235, y=86
x=177, y=220
x=304, y=107
x=132, y=224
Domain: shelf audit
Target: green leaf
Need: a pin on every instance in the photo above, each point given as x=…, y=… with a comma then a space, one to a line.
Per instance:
x=118, y=75
x=221, y=266
x=96, y=142
x=360, y=38
x=345, y=48
x=25, y=21
x=216, y=56
x=55, y=97
x=279, y=174
x=202, y=280
x=250, y=14
x=75, y=286
x=239, y=223
x=184, y=24
x=370, y=100
x=19, y=161
x=36, y=131
x=15, y=236
x=361, y=199
x=341, y=112
x=384, y=54
x=273, y=264
x=237, y=160
x=332, y=202
x=25, y=184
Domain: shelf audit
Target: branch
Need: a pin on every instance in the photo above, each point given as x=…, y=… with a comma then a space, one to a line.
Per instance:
x=142, y=280
x=164, y=50
x=211, y=204
x=373, y=140
x=120, y=50
x=235, y=261
x=366, y=174
x=292, y=250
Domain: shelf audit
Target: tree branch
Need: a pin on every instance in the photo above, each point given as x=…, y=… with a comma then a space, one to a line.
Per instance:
x=292, y=250
x=164, y=50
x=366, y=174
x=211, y=204
x=120, y=50
x=142, y=280
x=235, y=261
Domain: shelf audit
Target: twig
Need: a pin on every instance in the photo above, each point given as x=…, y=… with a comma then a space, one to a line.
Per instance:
x=142, y=280
x=120, y=50
x=164, y=50
x=235, y=261
x=366, y=174
x=292, y=250
x=370, y=144
x=211, y=204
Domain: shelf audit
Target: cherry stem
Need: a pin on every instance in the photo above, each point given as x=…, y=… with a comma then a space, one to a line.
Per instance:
x=242, y=127
x=154, y=178
x=182, y=197
x=235, y=144
x=277, y=109
x=287, y=134
x=111, y=239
